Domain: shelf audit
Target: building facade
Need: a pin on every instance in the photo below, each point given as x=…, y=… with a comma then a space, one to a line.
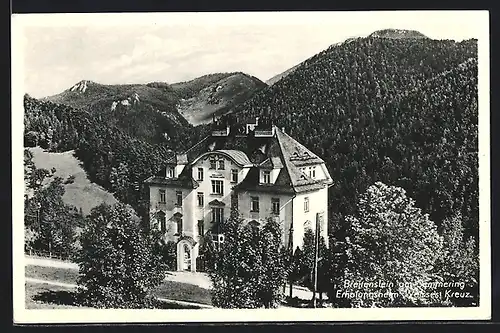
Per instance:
x=270, y=174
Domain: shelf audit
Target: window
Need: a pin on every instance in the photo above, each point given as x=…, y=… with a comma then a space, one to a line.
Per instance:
x=254, y=204
x=201, y=201
x=170, y=172
x=163, y=197
x=275, y=203
x=314, y=172
x=200, y=173
x=217, y=215
x=213, y=164
x=162, y=221
x=179, y=198
x=179, y=227
x=201, y=228
x=267, y=177
x=234, y=175
x=221, y=164
x=306, y=204
x=217, y=187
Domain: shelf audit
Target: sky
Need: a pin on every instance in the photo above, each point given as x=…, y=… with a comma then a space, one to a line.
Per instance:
x=58, y=50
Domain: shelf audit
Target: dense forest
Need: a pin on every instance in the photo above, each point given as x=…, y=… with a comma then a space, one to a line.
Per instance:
x=400, y=111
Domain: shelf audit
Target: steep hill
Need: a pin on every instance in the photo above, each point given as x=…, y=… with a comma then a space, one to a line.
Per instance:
x=82, y=193
x=385, y=33
x=201, y=102
x=144, y=111
x=153, y=111
x=361, y=105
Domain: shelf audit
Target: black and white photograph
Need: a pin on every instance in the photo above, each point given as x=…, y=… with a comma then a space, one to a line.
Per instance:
x=251, y=166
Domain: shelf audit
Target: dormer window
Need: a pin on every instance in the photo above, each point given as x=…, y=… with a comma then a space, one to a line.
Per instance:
x=221, y=164
x=266, y=176
x=170, y=172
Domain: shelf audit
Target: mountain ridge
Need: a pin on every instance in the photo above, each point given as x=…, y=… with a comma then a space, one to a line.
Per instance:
x=182, y=103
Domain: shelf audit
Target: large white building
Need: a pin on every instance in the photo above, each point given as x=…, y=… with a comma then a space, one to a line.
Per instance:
x=270, y=173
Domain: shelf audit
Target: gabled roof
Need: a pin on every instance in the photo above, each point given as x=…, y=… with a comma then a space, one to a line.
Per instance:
x=294, y=154
x=216, y=202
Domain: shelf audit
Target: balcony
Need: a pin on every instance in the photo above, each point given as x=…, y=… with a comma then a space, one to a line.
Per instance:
x=221, y=132
x=262, y=133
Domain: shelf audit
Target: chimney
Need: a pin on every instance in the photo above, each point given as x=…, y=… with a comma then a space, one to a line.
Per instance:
x=256, y=121
x=283, y=129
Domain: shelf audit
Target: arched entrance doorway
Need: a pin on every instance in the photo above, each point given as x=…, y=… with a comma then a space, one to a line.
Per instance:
x=187, y=251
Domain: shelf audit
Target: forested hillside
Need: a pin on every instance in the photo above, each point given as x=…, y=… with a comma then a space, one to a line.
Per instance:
x=147, y=111
x=155, y=111
x=398, y=110
x=111, y=157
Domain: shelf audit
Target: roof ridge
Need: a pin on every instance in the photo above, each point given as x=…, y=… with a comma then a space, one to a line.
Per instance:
x=285, y=161
x=307, y=150
x=195, y=145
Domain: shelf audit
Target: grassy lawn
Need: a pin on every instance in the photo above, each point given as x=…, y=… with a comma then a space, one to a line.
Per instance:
x=65, y=275
x=183, y=292
x=47, y=296
x=168, y=289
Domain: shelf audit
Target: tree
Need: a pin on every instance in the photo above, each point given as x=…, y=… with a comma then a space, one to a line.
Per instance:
x=272, y=276
x=231, y=278
x=118, y=267
x=167, y=250
x=208, y=251
x=249, y=269
x=459, y=263
x=304, y=263
x=54, y=222
x=30, y=236
x=392, y=248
